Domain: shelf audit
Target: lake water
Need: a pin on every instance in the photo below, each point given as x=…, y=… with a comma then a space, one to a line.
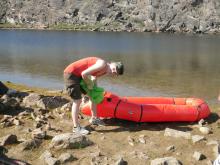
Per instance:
x=155, y=64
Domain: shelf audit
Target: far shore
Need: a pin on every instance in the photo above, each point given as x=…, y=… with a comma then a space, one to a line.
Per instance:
x=39, y=90
x=87, y=28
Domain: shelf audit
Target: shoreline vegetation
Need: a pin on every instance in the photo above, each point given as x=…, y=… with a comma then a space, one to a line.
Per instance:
x=98, y=27
x=39, y=90
x=52, y=27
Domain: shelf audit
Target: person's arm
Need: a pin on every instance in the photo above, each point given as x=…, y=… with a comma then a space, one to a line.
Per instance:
x=87, y=74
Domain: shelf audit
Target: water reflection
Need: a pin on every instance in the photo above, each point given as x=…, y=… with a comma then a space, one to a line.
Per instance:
x=155, y=64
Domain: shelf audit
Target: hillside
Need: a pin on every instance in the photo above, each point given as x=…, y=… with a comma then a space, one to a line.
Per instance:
x=189, y=16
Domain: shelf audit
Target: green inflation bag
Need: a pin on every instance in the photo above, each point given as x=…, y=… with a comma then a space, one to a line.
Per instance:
x=96, y=93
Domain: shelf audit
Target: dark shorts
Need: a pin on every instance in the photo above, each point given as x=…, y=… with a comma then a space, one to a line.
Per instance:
x=72, y=86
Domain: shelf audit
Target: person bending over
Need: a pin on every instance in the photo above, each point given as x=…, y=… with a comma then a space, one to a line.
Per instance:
x=87, y=69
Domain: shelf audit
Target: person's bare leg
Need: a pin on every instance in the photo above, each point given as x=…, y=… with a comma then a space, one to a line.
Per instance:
x=93, y=109
x=75, y=112
x=94, y=119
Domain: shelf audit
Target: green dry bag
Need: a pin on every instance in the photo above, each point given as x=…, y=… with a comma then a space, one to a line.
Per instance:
x=96, y=94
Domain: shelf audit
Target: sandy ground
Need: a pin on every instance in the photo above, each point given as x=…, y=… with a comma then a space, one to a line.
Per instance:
x=112, y=141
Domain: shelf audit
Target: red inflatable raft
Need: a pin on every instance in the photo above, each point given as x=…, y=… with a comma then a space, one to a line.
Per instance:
x=150, y=109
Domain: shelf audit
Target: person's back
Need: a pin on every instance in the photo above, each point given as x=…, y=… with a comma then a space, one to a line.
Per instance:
x=87, y=70
x=79, y=66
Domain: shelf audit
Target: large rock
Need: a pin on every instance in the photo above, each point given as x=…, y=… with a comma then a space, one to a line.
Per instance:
x=69, y=140
x=44, y=102
x=31, y=99
x=9, y=139
x=51, y=102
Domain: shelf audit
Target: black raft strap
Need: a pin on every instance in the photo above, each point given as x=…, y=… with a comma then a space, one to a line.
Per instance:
x=141, y=113
x=116, y=108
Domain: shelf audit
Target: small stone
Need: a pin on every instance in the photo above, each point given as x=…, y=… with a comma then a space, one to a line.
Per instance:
x=205, y=130
x=103, y=138
x=96, y=154
x=201, y=122
x=66, y=157
x=176, y=133
x=16, y=122
x=130, y=141
x=212, y=142
x=49, y=159
x=142, y=155
x=178, y=153
x=141, y=139
x=197, y=138
x=198, y=156
x=120, y=161
x=165, y=160
x=38, y=133
x=170, y=148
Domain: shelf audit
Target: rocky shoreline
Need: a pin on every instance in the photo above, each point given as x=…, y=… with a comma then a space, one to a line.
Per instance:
x=174, y=16
x=36, y=128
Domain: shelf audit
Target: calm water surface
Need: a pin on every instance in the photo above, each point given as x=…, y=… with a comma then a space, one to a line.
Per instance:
x=155, y=64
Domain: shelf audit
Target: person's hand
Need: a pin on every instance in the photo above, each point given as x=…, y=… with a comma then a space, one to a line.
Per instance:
x=219, y=97
x=90, y=86
x=93, y=79
x=91, y=82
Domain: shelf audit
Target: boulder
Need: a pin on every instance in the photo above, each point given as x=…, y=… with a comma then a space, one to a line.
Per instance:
x=70, y=141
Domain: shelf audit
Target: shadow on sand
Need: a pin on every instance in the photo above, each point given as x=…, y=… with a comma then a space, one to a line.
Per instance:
x=124, y=125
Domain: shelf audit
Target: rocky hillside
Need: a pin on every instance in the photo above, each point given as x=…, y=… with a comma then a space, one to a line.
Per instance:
x=192, y=16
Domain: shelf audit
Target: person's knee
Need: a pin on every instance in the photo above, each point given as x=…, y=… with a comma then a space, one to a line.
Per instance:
x=76, y=102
